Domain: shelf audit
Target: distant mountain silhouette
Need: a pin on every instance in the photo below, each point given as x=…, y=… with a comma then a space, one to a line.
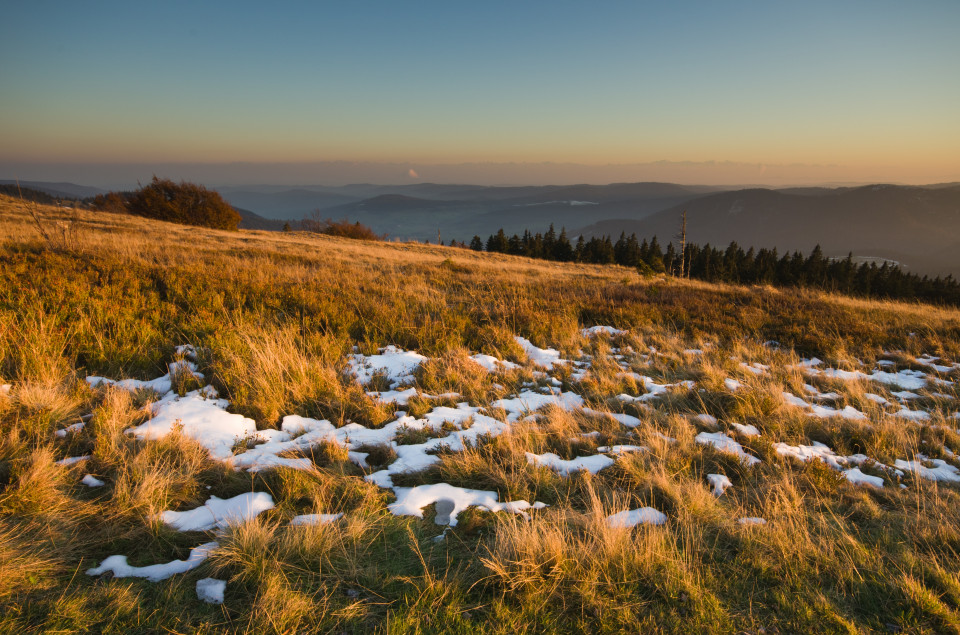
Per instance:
x=249, y=220
x=916, y=226
x=58, y=190
x=419, y=210
x=284, y=204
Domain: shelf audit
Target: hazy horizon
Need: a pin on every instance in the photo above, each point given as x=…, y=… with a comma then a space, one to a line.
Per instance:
x=497, y=93
x=333, y=174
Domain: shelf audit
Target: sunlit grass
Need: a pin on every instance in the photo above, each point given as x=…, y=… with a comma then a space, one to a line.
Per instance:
x=273, y=317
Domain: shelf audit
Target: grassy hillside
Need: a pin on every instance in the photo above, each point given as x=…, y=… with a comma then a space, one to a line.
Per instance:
x=278, y=324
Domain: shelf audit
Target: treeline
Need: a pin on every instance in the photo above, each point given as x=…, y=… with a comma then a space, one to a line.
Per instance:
x=733, y=264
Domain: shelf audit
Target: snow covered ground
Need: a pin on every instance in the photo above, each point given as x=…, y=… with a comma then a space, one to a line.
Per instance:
x=232, y=438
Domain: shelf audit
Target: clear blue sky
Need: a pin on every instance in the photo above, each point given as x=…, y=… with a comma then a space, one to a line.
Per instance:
x=859, y=86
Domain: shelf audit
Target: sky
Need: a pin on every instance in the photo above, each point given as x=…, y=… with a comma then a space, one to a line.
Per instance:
x=497, y=92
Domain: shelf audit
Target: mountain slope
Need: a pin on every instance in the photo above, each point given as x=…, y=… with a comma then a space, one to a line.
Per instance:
x=919, y=227
x=58, y=189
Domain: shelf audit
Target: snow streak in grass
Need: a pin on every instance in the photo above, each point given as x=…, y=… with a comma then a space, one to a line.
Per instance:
x=727, y=445
x=451, y=501
x=219, y=512
x=634, y=517
x=592, y=464
x=154, y=573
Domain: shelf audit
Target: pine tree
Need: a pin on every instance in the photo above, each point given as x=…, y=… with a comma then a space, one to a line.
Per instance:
x=562, y=250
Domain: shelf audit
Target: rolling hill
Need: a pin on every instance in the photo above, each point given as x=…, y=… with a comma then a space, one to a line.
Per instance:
x=916, y=226
x=461, y=211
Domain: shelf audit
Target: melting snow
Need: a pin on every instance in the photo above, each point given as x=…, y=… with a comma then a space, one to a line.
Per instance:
x=204, y=420
x=840, y=463
x=627, y=420
x=491, y=363
x=91, y=481
x=399, y=397
x=528, y=401
x=601, y=330
x=854, y=475
x=451, y=501
x=622, y=449
x=723, y=443
x=219, y=512
x=825, y=396
x=592, y=464
x=747, y=430
x=155, y=572
x=720, y=483
x=824, y=412
x=941, y=470
x=633, y=517
x=908, y=379
x=913, y=415
x=70, y=429
x=160, y=385
x=709, y=420
x=654, y=389
x=395, y=364
x=315, y=519
x=752, y=520
x=72, y=460
x=756, y=368
x=930, y=360
x=543, y=357
x=211, y=590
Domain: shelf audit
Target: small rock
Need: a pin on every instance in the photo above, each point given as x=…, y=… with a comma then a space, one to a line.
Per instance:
x=353, y=593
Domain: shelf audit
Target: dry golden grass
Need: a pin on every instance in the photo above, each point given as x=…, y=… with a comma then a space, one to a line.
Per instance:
x=273, y=317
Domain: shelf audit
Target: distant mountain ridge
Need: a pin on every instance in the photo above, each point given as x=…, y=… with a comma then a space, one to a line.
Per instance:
x=419, y=211
x=58, y=190
x=916, y=226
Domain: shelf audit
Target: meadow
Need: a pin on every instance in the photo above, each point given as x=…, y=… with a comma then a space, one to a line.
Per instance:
x=375, y=381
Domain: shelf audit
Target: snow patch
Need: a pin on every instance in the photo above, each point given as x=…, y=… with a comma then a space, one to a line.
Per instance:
x=592, y=464
x=211, y=590
x=725, y=444
x=491, y=363
x=155, y=572
x=543, y=357
x=719, y=482
x=752, y=520
x=528, y=401
x=315, y=519
x=451, y=501
x=633, y=517
x=396, y=364
x=941, y=470
x=92, y=481
x=219, y=512
x=601, y=330
x=204, y=420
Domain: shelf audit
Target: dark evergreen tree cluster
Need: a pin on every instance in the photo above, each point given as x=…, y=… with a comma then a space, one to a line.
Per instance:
x=733, y=264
